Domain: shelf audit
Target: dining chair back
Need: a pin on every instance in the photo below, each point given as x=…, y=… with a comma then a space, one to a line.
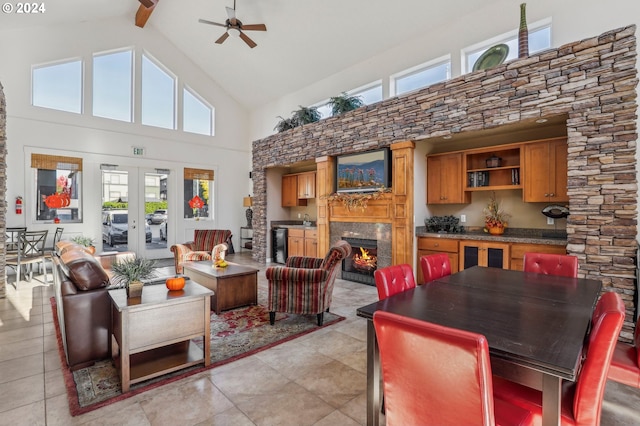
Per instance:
x=30, y=251
x=625, y=364
x=435, y=266
x=13, y=239
x=582, y=399
x=438, y=375
x=393, y=279
x=551, y=264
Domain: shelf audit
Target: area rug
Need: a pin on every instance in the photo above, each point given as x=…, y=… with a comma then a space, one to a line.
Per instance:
x=234, y=334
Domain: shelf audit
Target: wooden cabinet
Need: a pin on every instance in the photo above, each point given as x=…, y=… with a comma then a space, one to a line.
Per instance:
x=491, y=169
x=303, y=242
x=307, y=185
x=545, y=171
x=444, y=180
x=298, y=188
x=518, y=251
x=428, y=246
x=484, y=253
x=295, y=245
x=311, y=242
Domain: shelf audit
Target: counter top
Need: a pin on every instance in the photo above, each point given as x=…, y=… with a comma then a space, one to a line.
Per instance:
x=526, y=236
x=292, y=224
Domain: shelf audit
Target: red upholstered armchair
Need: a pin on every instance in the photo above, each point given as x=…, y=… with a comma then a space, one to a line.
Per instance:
x=625, y=365
x=551, y=264
x=200, y=248
x=305, y=284
x=435, y=266
x=437, y=375
x=393, y=279
x=581, y=402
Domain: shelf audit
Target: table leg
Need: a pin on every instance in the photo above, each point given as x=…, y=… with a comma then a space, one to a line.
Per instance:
x=551, y=400
x=373, y=376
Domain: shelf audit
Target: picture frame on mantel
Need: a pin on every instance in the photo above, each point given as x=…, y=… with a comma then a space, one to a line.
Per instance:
x=363, y=172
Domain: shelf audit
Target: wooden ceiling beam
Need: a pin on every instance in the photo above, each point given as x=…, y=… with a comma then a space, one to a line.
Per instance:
x=144, y=12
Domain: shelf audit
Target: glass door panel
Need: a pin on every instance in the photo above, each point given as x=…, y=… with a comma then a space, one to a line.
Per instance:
x=156, y=216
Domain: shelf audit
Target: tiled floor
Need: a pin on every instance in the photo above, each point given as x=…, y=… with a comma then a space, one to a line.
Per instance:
x=318, y=379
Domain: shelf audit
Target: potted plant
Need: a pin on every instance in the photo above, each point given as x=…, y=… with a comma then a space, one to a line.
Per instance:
x=86, y=242
x=306, y=115
x=129, y=273
x=285, y=124
x=344, y=102
x=495, y=217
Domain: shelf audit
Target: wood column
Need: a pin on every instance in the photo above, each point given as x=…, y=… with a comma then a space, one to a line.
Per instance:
x=402, y=214
x=324, y=186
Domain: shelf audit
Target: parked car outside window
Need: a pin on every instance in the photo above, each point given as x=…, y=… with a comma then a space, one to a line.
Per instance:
x=157, y=217
x=115, y=227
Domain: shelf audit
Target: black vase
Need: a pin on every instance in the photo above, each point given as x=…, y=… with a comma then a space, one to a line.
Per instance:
x=249, y=218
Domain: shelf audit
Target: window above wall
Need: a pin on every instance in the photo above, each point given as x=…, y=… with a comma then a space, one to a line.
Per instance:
x=60, y=86
x=420, y=76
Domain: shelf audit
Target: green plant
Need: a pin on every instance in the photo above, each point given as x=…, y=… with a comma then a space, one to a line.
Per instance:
x=134, y=269
x=344, y=102
x=82, y=240
x=306, y=115
x=285, y=124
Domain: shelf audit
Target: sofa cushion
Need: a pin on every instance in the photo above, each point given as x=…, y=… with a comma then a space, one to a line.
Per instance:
x=84, y=270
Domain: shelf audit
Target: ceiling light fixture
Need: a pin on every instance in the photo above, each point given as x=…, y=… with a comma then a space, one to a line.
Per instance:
x=447, y=137
x=541, y=120
x=233, y=32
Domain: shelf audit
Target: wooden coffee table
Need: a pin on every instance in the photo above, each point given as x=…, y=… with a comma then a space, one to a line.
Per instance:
x=233, y=286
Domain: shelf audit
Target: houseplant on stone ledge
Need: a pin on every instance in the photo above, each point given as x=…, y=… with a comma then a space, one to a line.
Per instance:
x=130, y=273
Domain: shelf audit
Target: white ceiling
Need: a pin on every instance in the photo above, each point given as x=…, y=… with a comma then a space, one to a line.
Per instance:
x=305, y=41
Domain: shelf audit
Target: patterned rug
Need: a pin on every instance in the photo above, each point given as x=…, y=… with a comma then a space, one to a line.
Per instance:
x=234, y=334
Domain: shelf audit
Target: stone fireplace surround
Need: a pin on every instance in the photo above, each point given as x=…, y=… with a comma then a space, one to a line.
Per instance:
x=592, y=82
x=380, y=232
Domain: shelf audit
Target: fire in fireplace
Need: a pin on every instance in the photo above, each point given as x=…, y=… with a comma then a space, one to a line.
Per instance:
x=362, y=262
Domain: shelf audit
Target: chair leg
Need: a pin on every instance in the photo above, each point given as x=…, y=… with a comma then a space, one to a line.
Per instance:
x=272, y=317
x=320, y=319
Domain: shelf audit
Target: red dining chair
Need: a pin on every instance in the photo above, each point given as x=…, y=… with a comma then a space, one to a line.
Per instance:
x=436, y=375
x=625, y=364
x=393, y=279
x=551, y=264
x=435, y=266
x=581, y=403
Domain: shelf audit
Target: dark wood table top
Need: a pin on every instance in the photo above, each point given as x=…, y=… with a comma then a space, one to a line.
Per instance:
x=539, y=321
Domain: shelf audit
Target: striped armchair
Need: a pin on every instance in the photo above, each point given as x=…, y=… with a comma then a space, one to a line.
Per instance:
x=200, y=248
x=305, y=284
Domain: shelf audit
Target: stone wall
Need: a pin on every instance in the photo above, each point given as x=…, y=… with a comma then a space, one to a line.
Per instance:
x=592, y=82
x=3, y=190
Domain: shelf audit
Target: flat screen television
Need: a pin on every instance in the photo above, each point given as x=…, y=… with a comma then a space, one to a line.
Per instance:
x=363, y=172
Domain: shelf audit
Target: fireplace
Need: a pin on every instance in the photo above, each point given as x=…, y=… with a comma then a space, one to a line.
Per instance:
x=360, y=265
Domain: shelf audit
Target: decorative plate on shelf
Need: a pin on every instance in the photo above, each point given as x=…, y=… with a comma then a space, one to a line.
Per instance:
x=492, y=57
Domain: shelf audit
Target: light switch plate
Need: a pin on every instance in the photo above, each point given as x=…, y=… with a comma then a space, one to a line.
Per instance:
x=463, y=218
x=550, y=221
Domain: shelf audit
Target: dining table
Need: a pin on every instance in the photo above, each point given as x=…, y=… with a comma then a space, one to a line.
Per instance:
x=535, y=325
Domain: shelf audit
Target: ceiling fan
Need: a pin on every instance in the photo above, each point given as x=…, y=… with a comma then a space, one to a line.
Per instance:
x=235, y=27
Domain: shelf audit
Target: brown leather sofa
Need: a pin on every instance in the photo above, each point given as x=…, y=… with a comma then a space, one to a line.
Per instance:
x=83, y=303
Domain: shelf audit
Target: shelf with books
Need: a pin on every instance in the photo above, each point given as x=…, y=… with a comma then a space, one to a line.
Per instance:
x=493, y=169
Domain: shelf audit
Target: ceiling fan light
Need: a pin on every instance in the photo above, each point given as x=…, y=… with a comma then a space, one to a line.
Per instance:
x=233, y=32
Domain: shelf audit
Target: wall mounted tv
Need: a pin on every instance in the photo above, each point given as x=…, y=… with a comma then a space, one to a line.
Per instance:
x=363, y=172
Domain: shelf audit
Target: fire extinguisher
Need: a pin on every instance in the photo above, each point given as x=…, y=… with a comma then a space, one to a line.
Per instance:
x=18, y=205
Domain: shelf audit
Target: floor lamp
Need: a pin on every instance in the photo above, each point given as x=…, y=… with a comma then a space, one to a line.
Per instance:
x=248, y=202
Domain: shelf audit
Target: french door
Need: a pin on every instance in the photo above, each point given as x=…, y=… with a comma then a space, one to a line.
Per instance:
x=135, y=211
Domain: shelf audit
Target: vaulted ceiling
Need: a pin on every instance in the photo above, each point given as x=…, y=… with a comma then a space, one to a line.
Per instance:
x=305, y=40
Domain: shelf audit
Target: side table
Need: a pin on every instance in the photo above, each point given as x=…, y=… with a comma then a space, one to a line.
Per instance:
x=153, y=333
x=246, y=238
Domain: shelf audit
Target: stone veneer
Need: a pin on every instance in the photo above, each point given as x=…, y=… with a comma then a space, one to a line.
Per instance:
x=592, y=82
x=381, y=232
x=3, y=190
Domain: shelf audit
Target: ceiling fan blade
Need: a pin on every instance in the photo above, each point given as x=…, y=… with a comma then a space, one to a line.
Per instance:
x=254, y=27
x=222, y=38
x=247, y=40
x=204, y=21
x=231, y=13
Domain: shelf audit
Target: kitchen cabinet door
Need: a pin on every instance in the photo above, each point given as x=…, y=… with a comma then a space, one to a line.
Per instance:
x=427, y=246
x=307, y=185
x=484, y=253
x=296, y=242
x=444, y=180
x=545, y=175
x=518, y=250
x=290, y=192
